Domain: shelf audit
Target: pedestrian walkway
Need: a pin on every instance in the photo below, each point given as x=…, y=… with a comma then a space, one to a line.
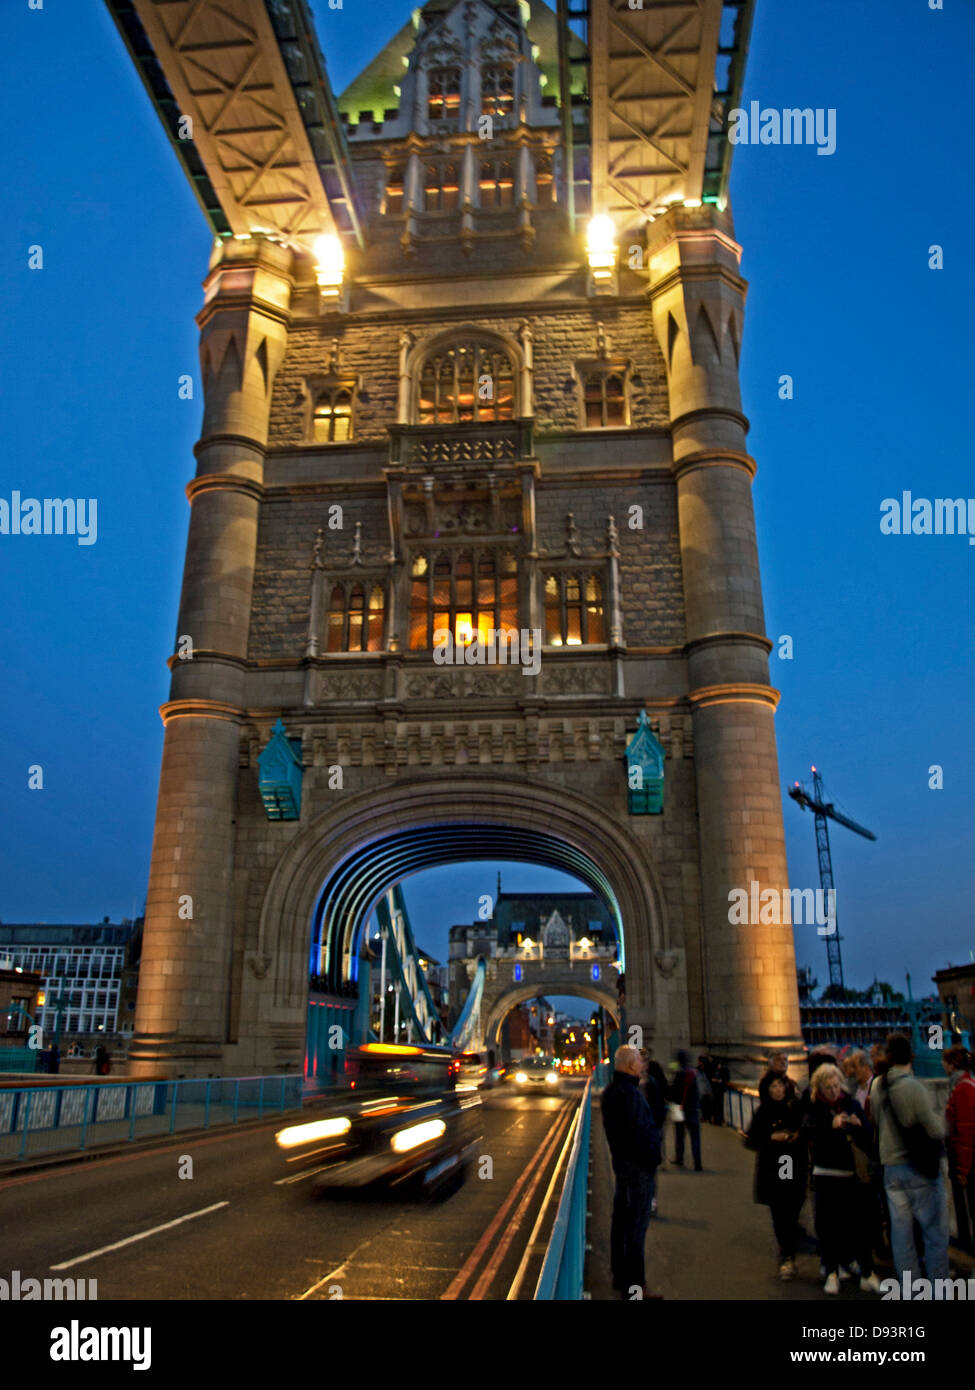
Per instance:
x=709, y=1240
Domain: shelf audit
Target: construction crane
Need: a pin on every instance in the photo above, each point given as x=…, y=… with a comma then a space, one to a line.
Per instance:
x=823, y=811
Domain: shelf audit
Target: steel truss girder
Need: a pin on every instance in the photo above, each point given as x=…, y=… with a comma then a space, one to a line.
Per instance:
x=226, y=70
x=654, y=105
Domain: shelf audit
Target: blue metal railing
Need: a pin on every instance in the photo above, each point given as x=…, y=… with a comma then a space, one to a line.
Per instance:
x=739, y=1107
x=563, y=1268
x=61, y=1119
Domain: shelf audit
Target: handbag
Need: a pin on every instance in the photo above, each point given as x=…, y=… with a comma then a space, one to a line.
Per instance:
x=676, y=1113
x=865, y=1167
x=924, y=1154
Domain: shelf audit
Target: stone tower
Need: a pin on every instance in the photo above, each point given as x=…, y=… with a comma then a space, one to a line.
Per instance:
x=493, y=417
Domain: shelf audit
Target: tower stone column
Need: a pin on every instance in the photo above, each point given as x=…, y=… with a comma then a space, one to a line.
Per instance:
x=746, y=1000
x=182, y=1013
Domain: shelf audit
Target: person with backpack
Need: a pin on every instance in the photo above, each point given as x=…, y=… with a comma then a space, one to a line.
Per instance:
x=686, y=1102
x=634, y=1143
x=960, y=1120
x=911, y=1151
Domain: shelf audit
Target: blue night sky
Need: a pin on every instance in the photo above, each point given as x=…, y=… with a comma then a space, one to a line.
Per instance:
x=836, y=249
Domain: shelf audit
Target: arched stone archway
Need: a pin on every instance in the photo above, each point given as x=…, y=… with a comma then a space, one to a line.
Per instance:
x=512, y=997
x=374, y=839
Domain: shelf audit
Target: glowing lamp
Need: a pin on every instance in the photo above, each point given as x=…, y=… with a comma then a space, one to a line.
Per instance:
x=329, y=265
x=601, y=246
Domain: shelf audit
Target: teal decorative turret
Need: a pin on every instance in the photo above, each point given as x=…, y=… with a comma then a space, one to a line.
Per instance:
x=645, y=770
x=280, y=775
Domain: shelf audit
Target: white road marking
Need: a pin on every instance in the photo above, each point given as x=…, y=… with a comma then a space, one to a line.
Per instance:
x=143, y=1235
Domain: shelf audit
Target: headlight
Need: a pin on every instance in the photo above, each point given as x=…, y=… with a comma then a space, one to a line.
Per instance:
x=411, y=1138
x=521, y=1078
x=552, y=1078
x=318, y=1129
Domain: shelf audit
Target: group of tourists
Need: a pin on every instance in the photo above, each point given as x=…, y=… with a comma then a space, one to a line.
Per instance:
x=868, y=1139
x=863, y=1134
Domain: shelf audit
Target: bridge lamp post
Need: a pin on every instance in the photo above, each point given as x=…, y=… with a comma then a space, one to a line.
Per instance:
x=529, y=948
x=601, y=251
x=330, y=271
x=579, y=950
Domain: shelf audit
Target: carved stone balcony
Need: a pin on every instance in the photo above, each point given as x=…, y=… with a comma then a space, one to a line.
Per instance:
x=489, y=441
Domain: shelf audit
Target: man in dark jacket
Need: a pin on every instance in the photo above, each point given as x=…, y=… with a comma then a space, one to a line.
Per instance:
x=684, y=1091
x=634, y=1142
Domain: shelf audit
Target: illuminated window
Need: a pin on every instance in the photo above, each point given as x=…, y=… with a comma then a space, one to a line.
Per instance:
x=604, y=397
x=441, y=189
x=465, y=383
x=497, y=89
x=356, y=616
x=394, y=188
x=464, y=594
x=574, y=614
x=497, y=183
x=332, y=419
x=443, y=94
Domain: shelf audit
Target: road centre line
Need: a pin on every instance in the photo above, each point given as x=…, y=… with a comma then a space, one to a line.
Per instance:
x=142, y=1235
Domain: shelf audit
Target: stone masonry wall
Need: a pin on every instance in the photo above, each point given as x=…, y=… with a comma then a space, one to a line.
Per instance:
x=370, y=352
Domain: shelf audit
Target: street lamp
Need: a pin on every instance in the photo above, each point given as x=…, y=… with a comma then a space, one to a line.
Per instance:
x=330, y=270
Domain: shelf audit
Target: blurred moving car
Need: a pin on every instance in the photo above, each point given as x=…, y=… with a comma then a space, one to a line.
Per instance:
x=400, y=1117
x=534, y=1074
x=471, y=1071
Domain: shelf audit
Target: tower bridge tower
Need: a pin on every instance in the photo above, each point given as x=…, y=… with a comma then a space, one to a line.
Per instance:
x=472, y=512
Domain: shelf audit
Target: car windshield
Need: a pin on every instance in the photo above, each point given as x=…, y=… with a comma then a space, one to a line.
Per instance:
x=538, y=1064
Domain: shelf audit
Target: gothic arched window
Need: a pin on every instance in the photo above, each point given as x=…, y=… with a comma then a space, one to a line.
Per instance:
x=443, y=93
x=356, y=617
x=464, y=594
x=497, y=89
x=497, y=183
x=604, y=397
x=332, y=417
x=574, y=614
x=464, y=383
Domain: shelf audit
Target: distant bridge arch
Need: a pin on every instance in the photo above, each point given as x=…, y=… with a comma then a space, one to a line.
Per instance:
x=557, y=985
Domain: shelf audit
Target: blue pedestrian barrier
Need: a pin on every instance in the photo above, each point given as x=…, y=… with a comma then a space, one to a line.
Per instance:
x=37, y=1120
